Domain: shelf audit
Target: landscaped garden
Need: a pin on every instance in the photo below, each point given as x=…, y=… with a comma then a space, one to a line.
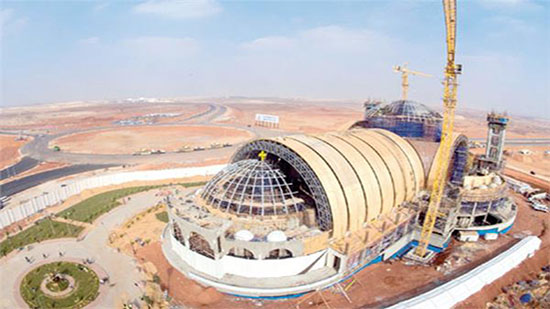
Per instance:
x=91, y=208
x=60, y=285
x=40, y=231
x=85, y=211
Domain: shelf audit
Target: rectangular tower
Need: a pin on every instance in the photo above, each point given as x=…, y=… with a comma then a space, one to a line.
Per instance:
x=497, y=124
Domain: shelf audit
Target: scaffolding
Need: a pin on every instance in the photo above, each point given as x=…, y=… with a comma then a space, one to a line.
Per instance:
x=406, y=119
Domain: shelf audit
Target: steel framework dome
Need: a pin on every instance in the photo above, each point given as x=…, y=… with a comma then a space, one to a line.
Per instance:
x=407, y=108
x=406, y=119
x=251, y=187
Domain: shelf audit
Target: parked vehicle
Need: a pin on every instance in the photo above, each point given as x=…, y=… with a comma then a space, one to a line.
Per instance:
x=539, y=207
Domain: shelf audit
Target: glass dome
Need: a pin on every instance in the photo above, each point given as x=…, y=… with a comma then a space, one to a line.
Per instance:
x=251, y=187
x=409, y=109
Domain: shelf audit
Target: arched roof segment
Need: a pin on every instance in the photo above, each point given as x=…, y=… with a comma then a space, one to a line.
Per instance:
x=364, y=173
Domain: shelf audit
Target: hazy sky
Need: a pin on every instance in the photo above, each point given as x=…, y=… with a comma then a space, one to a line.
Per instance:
x=77, y=50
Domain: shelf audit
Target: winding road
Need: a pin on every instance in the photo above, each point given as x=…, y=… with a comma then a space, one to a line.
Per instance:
x=38, y=151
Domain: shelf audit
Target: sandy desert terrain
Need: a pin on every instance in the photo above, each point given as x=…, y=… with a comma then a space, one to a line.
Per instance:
x=55, y=118
x=297, y=116
x=537, y=161
x=128, y=140
x=9, y=149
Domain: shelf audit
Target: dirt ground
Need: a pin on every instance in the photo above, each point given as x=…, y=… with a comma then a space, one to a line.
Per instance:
x=537, y=161
x=144, y=226
x=52, y=118
x=9, y=149
x=330, y=116
x=127, y=140
x=529, y=222
x=473, y=124
x=297, y=117
x=523, y=164
x=394, y=280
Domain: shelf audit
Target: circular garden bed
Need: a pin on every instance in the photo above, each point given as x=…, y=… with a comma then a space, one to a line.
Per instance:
x=60, y=285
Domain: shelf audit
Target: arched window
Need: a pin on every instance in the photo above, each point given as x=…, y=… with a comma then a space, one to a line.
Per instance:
x=279, y=254
x=241, y=253
x=177, y=233
x=200, y=245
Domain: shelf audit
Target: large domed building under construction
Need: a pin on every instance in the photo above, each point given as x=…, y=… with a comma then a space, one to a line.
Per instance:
x=304, y=212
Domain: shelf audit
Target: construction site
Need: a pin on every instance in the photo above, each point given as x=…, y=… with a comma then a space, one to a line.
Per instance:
x=300, y=213
x=276, y=203
x=307, y=211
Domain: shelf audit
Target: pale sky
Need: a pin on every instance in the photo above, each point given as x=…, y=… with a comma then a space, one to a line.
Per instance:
x=54, y=51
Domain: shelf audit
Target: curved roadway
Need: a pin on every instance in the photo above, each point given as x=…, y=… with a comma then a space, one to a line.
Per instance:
x=39, y=150
x=121, y=268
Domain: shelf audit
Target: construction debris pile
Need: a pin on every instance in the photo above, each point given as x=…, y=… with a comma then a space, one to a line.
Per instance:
x=525, y=294
x=458, y=256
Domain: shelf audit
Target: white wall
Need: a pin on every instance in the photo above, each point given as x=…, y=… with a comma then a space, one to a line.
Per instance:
x=459, y=289
x=73, y=187
x=249, y=268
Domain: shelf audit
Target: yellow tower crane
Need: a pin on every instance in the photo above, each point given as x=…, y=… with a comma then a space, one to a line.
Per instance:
x=405, y=78
x=449, y=103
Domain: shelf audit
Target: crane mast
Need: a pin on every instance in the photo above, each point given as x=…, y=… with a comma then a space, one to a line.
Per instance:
x=405, y=78
x=449, y=103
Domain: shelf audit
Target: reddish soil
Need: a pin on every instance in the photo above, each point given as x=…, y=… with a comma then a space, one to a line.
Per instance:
x=394, y=280
x=9, y=150
x=126, y=140
x=168, y=165
x=528, y=220
x=297, y=117
x=521, y=165
x=537, y=161
x=473, y=124
x=183, y=290
x=534, y=181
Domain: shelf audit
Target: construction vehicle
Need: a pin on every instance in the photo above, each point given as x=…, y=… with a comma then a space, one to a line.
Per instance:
x=215, y=145
x=185, y=148
x=405, y=78
x=450, y=85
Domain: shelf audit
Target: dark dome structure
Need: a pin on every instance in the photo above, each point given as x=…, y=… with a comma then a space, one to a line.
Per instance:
x=405, y=118
x=251, y=187
x=409, y=109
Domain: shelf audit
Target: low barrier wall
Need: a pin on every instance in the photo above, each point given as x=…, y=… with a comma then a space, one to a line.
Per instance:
x=38, y=203
x=459, y=289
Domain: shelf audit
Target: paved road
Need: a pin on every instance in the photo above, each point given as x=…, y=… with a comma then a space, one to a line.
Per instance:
x=24, y=165
x=120, y=268
x=38, y=148
x=24, y=183
x=520, y=141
